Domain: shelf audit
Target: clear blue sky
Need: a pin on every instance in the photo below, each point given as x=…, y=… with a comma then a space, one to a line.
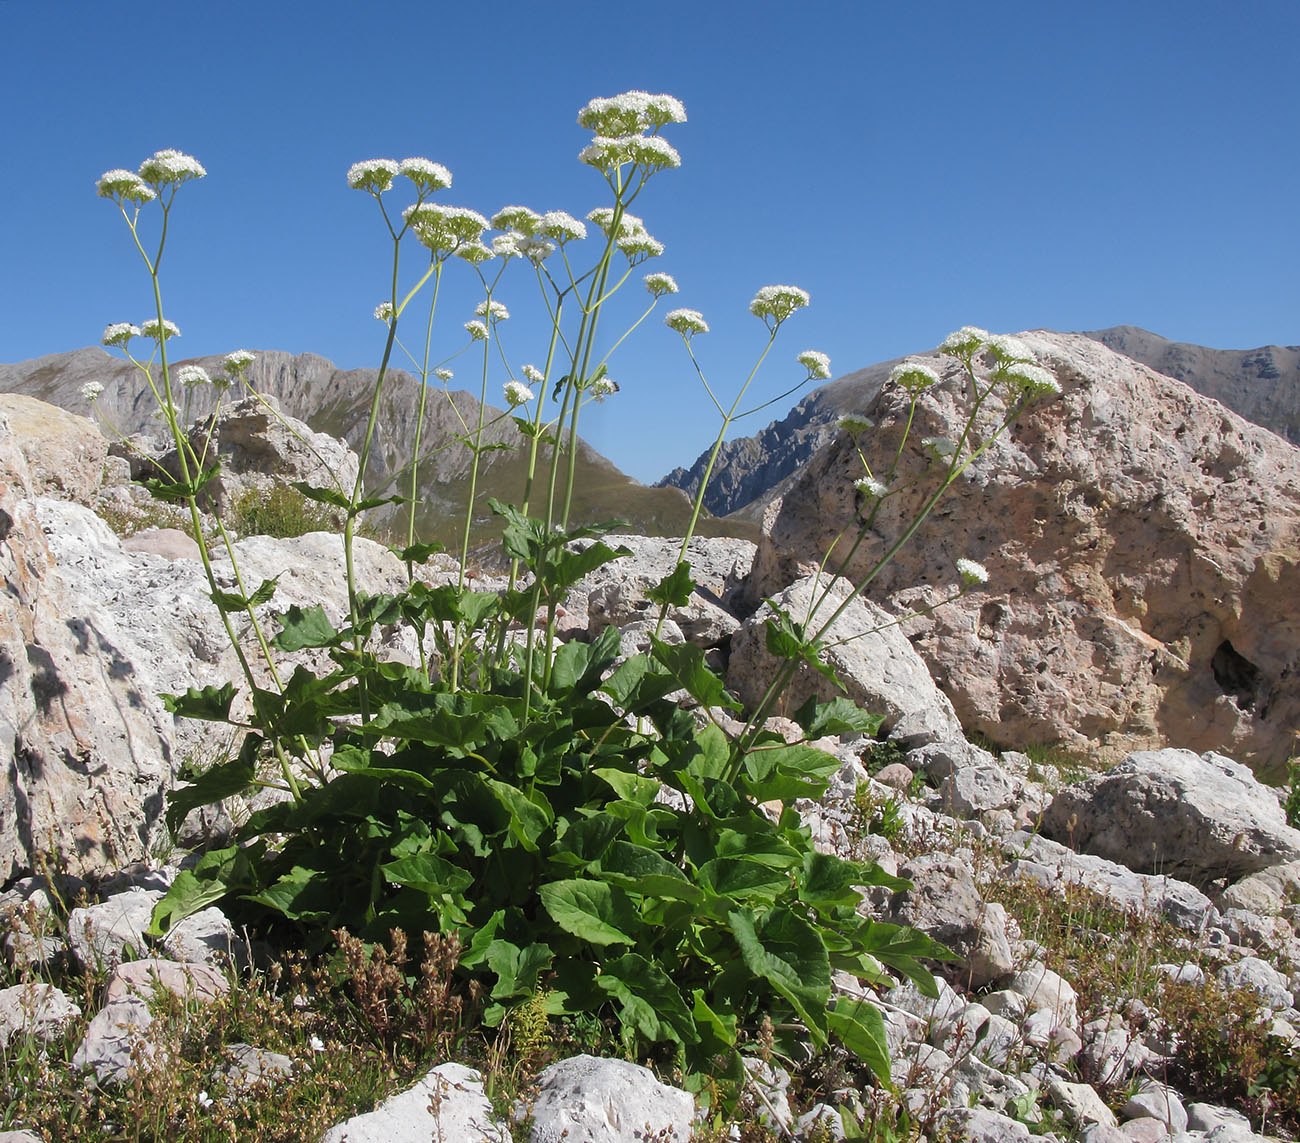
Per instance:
x=915, y=167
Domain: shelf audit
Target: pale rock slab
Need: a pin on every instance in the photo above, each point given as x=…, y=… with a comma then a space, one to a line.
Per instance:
x=65, y=454
x=589, y=1100
x=872, y=658
x=448, y=1103
x=140, y=979
x=980, y=1125
x=1145, y=534
x=1079, y=1103
x=115, y=1041
x=1155, y=1100
x=101, y=934
x=1198, y=818
x=1261, y=978
x=35, y=1009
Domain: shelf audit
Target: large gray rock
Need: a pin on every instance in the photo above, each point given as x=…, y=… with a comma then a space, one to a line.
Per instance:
x=65, y=453
x=1144, y=534
x=864, y=647
x=589, y=1100
x=1169, y=811
x=448, y=1103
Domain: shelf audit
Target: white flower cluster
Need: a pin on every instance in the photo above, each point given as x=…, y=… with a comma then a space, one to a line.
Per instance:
x=474, y=252
x=477, y=330
x=773, y=304
x=426, y=175
x=971, y=572
x=632, y=112
x=818, y=364
x=191, y=375
x=235, y=363
x=870, y=486
x=385, y=311
x=373, y=175
x=602, y=388
x=159, y=331
x=661, y=284
x=626, y=129
x=443, y=374
x=170, y=168
x=119, y=333
x=493, y=311
x=941, y=448
x=854, y=425
x=965, y=342
x=448, y=230
x=162, y=169
x=535, y=375
x=91, y=390
x=913, y=376
x=1032, y=379
x=686, y=322
x=1013, y=359
x=517, y=393
x=560, y=226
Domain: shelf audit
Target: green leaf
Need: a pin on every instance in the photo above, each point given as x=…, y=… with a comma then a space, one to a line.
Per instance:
x=211, y=785
x=741, y=879
x=591, y=910
x=686, y=663
x=641, y=870
x=300, y=895
x=861, y=1029
x=586, y=839
x=178, y=491
x=323, y=495
x=417, y=553
x=429, y=874
x=529, y=819
x=210, y=703
x=578, y=666
x=265, y=590
x=569, y=566
x=186, y=896
x=674, y=590
x=786, y=640
x=839, y=715
x=789, y=954
x=783, y=773
x=517, y=969
x=630, y=787
x=650, y=1003
x=305, y=627
x=829, y=880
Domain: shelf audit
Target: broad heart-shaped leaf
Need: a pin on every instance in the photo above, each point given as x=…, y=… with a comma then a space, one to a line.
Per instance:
x=428, y=873
x=641, y=870
x=829, y=880
x=586, y=840
x=300, y=895
x=210, y=703
x=592, y=910
x=323, y=495
x=741, y=879
x=783, y=773
x=578, y=666
x=789, y=954
x=785, y=639
x=899, y=947
x=650, y=1003
x=861, y=1029
x=221, y=781
x=529, y=818
x=517, y=968
x=305, y=627
x=675, y=588
x=686, y=662
x=186, y=896
x=839, y=715
x=417, y=553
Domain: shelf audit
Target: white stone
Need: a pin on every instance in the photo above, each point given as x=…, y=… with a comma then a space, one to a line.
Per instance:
x=589, y=1100
x=463, y=1113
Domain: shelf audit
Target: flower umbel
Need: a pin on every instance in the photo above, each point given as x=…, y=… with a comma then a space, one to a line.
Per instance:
x=913, y=376
x=817, y=364
x=686, y=322
x=477, y=330
x=91, y=390
x=870, y=486
x=125, y=186
x=773, y=304
x=235, y=363
x=1032, y=380
x=426, y=175
x=602, y=388
x=633, y=111
x=517, y=393
x=493, y=311
x=855, y=425
x=373, y=175
x=443, y=374
x=971, y=572
x=660, y=284
x=965, y=342
x=535, y=375
x=119, y=333
x=385, y=311
x=191, y=375
x=159, y=332
x=170, y=168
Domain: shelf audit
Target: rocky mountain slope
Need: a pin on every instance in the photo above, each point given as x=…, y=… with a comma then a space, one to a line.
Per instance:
x=1262, y=385
x=336, y=402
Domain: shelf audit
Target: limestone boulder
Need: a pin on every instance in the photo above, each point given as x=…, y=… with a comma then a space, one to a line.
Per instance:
x=1196, y=818
x=1143, y=545
x=878, y=667
x=65, y=453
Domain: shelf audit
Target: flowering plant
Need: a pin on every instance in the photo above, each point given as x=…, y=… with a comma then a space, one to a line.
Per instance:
x=550, y=803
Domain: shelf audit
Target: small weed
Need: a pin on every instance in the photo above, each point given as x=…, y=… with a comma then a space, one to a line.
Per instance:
x=280, y=511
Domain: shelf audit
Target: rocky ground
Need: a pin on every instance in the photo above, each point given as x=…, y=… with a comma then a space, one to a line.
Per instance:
x=1126, y=962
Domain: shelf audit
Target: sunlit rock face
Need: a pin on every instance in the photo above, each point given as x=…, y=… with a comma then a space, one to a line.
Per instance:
x=1143, y=545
